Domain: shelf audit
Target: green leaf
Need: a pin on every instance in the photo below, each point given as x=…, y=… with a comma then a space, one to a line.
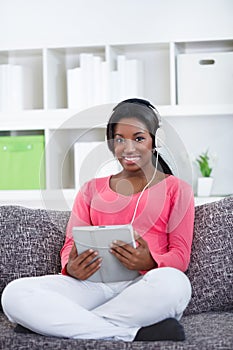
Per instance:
x=203, y=162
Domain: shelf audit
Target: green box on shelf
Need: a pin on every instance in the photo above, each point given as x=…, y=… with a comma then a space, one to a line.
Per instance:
x=22, y=162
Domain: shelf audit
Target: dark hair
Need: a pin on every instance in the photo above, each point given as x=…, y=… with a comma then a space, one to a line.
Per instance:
x=145, y=112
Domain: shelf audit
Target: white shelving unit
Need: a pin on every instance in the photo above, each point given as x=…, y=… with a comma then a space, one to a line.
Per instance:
x=46, y=109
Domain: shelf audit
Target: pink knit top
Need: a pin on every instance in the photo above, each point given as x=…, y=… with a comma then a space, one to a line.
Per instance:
x=164, y=218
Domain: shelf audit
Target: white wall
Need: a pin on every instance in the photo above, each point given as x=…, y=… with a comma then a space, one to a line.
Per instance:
x=39, y=23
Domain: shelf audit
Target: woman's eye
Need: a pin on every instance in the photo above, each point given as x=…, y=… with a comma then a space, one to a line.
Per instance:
x=140, y=139
x=119, y=140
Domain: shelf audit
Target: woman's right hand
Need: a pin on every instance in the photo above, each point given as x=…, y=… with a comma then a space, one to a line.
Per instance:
x=81, y=266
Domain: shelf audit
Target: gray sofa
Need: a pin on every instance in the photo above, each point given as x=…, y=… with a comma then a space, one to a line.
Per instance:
x=30, y=243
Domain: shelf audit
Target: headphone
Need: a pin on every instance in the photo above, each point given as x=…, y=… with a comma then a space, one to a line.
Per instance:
x=159, y=134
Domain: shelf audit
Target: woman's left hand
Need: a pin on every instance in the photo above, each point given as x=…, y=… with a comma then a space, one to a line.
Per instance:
x=134, y=258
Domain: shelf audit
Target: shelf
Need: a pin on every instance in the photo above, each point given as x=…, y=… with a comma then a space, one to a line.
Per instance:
x=196, y=110
x=45, y=108
x=204, y=200
x=205, y=46
x=69, y=118
x=44, y=79
x=50, y=199
x=60, y=199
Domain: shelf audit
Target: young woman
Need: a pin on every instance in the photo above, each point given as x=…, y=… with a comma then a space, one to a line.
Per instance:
x=161, y=210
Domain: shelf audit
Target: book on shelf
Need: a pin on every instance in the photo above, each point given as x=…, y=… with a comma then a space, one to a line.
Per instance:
x=122, y=74
x=87, y=68
x=127, y=80
x=114, y=85
x=134, y=78
x=75, y=91
x=105, y=83
x=97, y=81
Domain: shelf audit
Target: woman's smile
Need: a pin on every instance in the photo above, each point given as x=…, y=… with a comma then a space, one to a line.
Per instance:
x=131, y=159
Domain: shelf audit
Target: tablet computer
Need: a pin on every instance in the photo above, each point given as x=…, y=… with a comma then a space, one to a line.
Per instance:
x=100, y=238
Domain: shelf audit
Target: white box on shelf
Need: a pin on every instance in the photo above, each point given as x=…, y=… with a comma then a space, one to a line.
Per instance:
x=205, y=78
x=92, y=160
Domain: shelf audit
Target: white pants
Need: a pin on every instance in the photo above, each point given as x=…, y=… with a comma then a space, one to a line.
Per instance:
x=62, y=306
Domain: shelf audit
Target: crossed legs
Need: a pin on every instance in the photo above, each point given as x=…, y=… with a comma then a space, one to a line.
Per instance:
x=65, y=307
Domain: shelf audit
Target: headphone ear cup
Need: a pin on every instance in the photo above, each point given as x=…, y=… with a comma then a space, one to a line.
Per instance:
x=159, y=138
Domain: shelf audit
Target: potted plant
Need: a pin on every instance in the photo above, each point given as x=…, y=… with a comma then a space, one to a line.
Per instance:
x=205, y=182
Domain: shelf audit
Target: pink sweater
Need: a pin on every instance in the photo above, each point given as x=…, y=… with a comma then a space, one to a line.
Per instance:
x=164, y=218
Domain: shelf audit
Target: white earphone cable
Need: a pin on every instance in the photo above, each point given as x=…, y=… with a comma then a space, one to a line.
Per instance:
x=147, y=185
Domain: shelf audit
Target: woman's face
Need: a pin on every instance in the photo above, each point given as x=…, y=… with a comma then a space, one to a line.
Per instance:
x=132, y=144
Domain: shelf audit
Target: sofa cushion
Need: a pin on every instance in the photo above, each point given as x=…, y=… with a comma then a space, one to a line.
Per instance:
x=210, y=269
x=31, y=240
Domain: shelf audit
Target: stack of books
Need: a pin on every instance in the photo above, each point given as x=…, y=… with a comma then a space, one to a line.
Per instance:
x=94, y=83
